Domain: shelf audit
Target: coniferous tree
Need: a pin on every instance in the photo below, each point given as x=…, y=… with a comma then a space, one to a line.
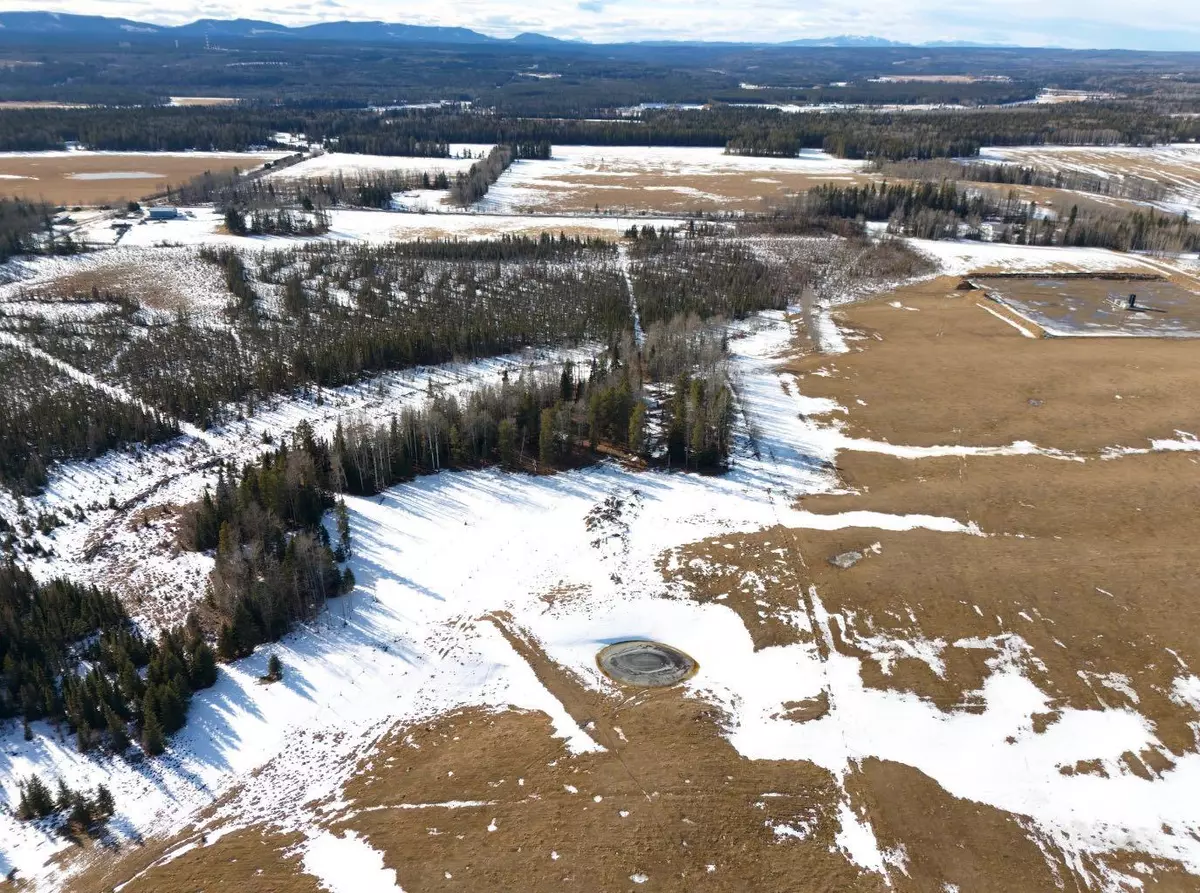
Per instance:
x=547, y=446
x=152, y=732
x=104, y=805
x=36, y=801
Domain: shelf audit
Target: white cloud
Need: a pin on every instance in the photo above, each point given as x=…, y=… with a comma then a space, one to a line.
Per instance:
x=1056, y=22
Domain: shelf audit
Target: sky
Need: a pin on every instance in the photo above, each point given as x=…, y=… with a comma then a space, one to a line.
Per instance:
x=1147, y=24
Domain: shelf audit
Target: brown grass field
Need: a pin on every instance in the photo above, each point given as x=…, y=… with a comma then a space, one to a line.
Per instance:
x=49, y=177
x=1092, y=562
x=14, y=105
x=670, y=193
x=202, y=100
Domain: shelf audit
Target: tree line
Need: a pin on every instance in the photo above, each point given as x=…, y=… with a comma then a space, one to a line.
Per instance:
x=326, y=313
x=27, y=228
x=740, y=128
x=470, y=187
x=73, y=812
x=947, y=211
x=372, y=189
x=70, y=655
x=261, y=221
x=47, y=417
x=1129, y=186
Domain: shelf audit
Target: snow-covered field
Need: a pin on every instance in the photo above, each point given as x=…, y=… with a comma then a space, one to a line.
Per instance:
x=688, y=172
x=959, y=258
x=330, y=164
x=203, y=225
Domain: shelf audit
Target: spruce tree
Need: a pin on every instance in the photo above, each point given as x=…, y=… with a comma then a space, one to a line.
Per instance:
x=637, y=427
x=547, y=452
x=63, y=799
x=204, y=666
x=343, y=526
x=506, y=442
x=105, y=806
x=81, y=812
x=152, y=735
x=36, y=800
x=118, y=738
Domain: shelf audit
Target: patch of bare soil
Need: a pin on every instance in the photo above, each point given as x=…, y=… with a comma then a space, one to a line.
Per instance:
x=173, y=279
x=248, y=859
x=128, y=280
x=1088, y=561
x=950, y=843
x=755, y=576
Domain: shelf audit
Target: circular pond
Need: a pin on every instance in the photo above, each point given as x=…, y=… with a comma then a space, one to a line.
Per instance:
x=645, y=664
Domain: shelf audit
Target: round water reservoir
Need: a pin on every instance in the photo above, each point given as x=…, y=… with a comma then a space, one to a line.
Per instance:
x=645, y=664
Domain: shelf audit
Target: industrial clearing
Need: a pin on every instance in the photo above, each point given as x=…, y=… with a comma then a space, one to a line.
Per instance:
x=918, y=637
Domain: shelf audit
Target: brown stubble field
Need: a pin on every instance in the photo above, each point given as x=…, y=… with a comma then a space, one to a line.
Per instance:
x=671, y=193
x=49, y=177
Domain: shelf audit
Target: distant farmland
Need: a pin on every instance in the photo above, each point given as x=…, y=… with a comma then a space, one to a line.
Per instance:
x=94, y=178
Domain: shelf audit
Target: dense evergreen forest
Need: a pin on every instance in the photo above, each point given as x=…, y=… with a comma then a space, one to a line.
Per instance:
x=25, y=228
x=947, y=211
x=372, y=189
x=71, y=656
x=706, y=277
x=329, y=312
x=379, y=67
x=856, y=133
x=1129, y=186
x=851, y=133
x=45, y=417
x=274, y=566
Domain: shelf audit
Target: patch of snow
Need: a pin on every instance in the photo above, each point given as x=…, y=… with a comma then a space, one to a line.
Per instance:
x=347, y=864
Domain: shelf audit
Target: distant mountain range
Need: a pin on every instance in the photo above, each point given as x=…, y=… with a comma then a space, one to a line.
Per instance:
x=51, y=24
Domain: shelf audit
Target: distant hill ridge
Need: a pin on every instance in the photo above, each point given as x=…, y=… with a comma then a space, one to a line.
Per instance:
x=14, y=24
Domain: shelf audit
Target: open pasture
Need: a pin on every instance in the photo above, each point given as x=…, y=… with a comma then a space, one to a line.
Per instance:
x=671, y=180
x=351, y=166
x=94, y=178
